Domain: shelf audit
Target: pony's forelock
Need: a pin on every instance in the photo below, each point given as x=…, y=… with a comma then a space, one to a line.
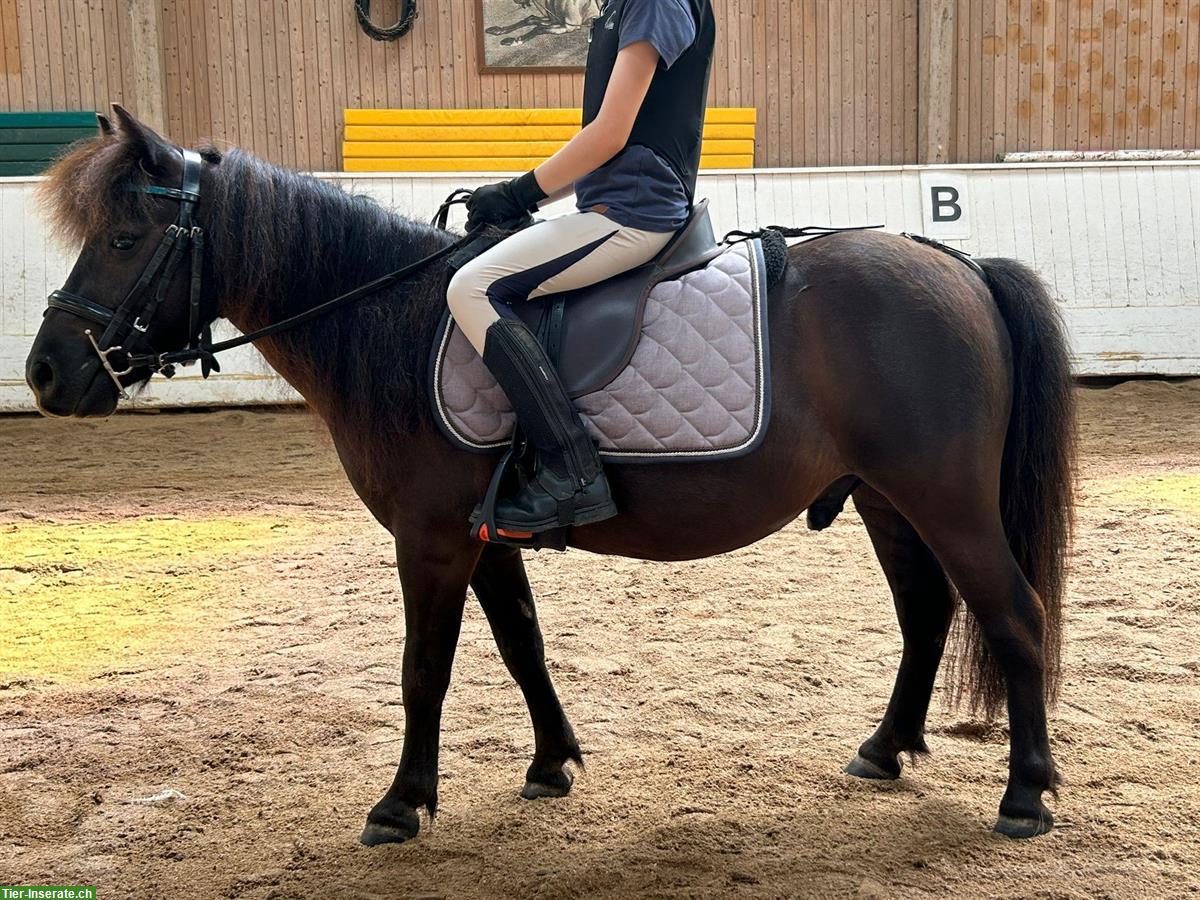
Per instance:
x=86, y=192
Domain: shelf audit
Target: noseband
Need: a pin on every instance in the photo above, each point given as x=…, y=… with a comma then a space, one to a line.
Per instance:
x=131, y=320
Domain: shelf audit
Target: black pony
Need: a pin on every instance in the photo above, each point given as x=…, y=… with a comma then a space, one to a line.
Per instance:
x=943, y=400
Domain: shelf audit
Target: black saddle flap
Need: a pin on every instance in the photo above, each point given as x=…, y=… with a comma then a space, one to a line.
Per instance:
x=601, y=323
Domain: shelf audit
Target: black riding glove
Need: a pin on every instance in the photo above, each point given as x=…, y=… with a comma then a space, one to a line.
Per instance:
x=495, y=204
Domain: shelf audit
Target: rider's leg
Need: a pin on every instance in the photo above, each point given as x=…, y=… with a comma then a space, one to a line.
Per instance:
x=559, y=255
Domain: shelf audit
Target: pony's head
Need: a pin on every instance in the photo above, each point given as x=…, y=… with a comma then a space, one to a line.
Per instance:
x=117, y=196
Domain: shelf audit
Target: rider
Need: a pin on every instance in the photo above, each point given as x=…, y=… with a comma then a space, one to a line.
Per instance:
x=633, y=171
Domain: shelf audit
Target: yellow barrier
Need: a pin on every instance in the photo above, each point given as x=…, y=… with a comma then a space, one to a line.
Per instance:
x=491, y=164
x=435, y=133
x=504, y=140
x=500, y=149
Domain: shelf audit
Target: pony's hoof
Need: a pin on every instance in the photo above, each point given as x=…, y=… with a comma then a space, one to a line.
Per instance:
x=390, y=827
x=556, y=785
x=374, y=835
x=1024, y=826
x=860, y=767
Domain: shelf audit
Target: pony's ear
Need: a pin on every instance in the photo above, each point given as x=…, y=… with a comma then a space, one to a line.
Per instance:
x=106, y=125
x=153, y=151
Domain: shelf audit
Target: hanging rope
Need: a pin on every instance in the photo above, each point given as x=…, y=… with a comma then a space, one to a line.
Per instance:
x=408, y=15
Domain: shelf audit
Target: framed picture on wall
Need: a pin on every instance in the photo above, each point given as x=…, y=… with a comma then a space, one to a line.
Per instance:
x=534, y=35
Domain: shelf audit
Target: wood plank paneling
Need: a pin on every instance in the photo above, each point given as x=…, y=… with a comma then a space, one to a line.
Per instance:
x=830, y=81
x=271, y=76
x=835, y=83
x=1076, y=75
x=61, y=54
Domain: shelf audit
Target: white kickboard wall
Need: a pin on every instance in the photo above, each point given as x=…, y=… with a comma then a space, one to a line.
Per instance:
x=1119, y=244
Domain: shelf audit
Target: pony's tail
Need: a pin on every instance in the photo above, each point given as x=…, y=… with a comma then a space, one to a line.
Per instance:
x=1037, y=481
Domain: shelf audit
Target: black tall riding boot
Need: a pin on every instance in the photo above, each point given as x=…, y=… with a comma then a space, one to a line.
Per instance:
x=568, y=487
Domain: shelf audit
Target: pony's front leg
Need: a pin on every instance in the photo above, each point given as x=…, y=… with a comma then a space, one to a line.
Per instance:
x=503, y=590
x=434, y=574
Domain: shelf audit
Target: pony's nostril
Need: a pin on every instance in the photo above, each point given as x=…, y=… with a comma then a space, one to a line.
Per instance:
x=41, y=374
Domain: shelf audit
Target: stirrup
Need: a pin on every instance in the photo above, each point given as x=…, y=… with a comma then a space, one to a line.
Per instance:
x=483, y=519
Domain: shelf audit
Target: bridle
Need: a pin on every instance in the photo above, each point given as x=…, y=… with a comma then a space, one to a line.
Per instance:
x=132, y=318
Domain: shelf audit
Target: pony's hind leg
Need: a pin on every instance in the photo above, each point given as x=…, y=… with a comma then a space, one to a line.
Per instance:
x=967, y=535
x=924, y=607
x=1013, y=621
x=502, y=587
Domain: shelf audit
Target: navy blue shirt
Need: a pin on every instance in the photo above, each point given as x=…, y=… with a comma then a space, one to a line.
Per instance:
x=638, y=188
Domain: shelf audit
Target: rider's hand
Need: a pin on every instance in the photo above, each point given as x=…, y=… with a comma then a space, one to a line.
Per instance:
x=495, y=204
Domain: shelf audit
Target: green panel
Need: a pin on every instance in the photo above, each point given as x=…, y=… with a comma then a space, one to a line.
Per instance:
x=22, y=168
x=44, y=135
x=28, y=152
x=48, y=119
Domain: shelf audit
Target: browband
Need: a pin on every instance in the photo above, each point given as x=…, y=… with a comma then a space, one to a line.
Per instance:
x=173, y=193
x=189, y=187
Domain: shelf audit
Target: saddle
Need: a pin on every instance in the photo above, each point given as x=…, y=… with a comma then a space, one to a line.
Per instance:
x=665, y=362
x=591, y=333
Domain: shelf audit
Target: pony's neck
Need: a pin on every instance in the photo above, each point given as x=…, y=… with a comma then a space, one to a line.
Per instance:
x=283, y=243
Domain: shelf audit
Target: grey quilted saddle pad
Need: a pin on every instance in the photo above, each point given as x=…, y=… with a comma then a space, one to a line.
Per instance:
x=696, y=386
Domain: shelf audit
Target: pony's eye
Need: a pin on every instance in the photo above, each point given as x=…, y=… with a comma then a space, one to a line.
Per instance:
x=124, y=242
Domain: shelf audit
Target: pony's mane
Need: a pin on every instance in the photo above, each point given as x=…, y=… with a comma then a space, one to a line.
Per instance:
x=280, y=242
x=270, y=225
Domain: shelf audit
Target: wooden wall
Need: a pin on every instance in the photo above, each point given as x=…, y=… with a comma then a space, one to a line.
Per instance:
x=281, y=92
x=1075, y=75
x=830, y=79
x=836, y=81
x=64, y=54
